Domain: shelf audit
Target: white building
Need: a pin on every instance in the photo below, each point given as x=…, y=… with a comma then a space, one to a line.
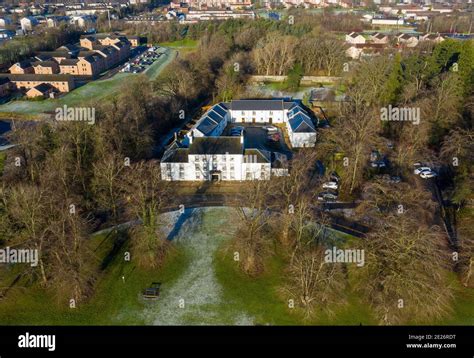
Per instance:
x=28, y=23
x=206, y=155
x=4, y=21
x=407, y=40
x=355, y=38
x=379, y=38
x=388, y=21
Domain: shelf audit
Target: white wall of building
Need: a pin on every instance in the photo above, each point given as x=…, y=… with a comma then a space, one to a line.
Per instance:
x=258, y=116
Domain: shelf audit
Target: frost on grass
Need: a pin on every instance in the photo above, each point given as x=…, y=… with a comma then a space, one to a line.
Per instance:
x=200, y=232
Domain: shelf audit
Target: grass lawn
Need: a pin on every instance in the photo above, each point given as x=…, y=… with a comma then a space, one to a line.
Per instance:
x=155, y=69
x=115, y=301
x=201, y=274
x=264, y=298
x=180, y=44
x=92, y=91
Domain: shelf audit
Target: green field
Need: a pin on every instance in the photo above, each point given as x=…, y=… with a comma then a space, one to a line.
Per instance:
x=180, y=44
x=92, y=91
x=199, y=274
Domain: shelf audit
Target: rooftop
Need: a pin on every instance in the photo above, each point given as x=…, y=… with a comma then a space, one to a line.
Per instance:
x=216, y=145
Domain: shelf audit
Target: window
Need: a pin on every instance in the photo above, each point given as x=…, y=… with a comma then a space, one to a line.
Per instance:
x=197, y=167
x=243, y=113
x=232, y=175
x=198, y=175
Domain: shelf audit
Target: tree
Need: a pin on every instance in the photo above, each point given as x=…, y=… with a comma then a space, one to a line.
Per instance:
x=294, y=77
x=146, y=195
x=251, y=240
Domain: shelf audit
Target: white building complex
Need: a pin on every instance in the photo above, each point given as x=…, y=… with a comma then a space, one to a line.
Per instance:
x=204, y=154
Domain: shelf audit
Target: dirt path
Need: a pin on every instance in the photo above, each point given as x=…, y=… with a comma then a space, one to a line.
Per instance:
x=196, y=297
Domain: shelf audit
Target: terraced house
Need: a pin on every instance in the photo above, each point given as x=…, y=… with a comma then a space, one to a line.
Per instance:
x=206, y=154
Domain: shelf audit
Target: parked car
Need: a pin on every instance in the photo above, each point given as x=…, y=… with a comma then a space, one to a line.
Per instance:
x=426, y=174
x=374, y=155
x=271, y=129
x=237, y=131
x=378, y=164
x=331, y=185
x=418, y=170
x=274, y=137
x=334, y=177
x=327, y=196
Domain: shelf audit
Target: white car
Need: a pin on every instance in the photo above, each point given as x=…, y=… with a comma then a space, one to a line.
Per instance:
x=418, y=170
x=271, y=129
x=330, y=185
x=426, y=174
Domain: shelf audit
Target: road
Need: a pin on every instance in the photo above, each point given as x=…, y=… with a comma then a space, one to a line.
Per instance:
x=336, y=222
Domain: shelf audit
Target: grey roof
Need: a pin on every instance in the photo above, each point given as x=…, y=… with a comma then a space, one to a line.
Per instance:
x=45, y=63
x=69, y=62
x=216, y=145
x=256, y=105
x=220, y=108
x=24, y=64
x=211, y=119
x=301, y=124
x=64, y=54
x=36, y=78
x=258, y=156
x=44, y=87
x=206, y=126
x=176, y=155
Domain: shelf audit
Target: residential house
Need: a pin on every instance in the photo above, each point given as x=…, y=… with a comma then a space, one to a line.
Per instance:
x=45, y=67
x=28, y=23
x=355, y=38
x=21, y=67
x=63, y=83
x=436, y=38
x=5, y=21
x=55, y=21
x=407, y=40
x=42, y=90
x=69, y=66
x=379, y=38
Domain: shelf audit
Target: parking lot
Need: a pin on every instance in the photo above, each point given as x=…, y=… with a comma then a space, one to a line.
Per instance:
x=144, y=60
x=257, y=137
